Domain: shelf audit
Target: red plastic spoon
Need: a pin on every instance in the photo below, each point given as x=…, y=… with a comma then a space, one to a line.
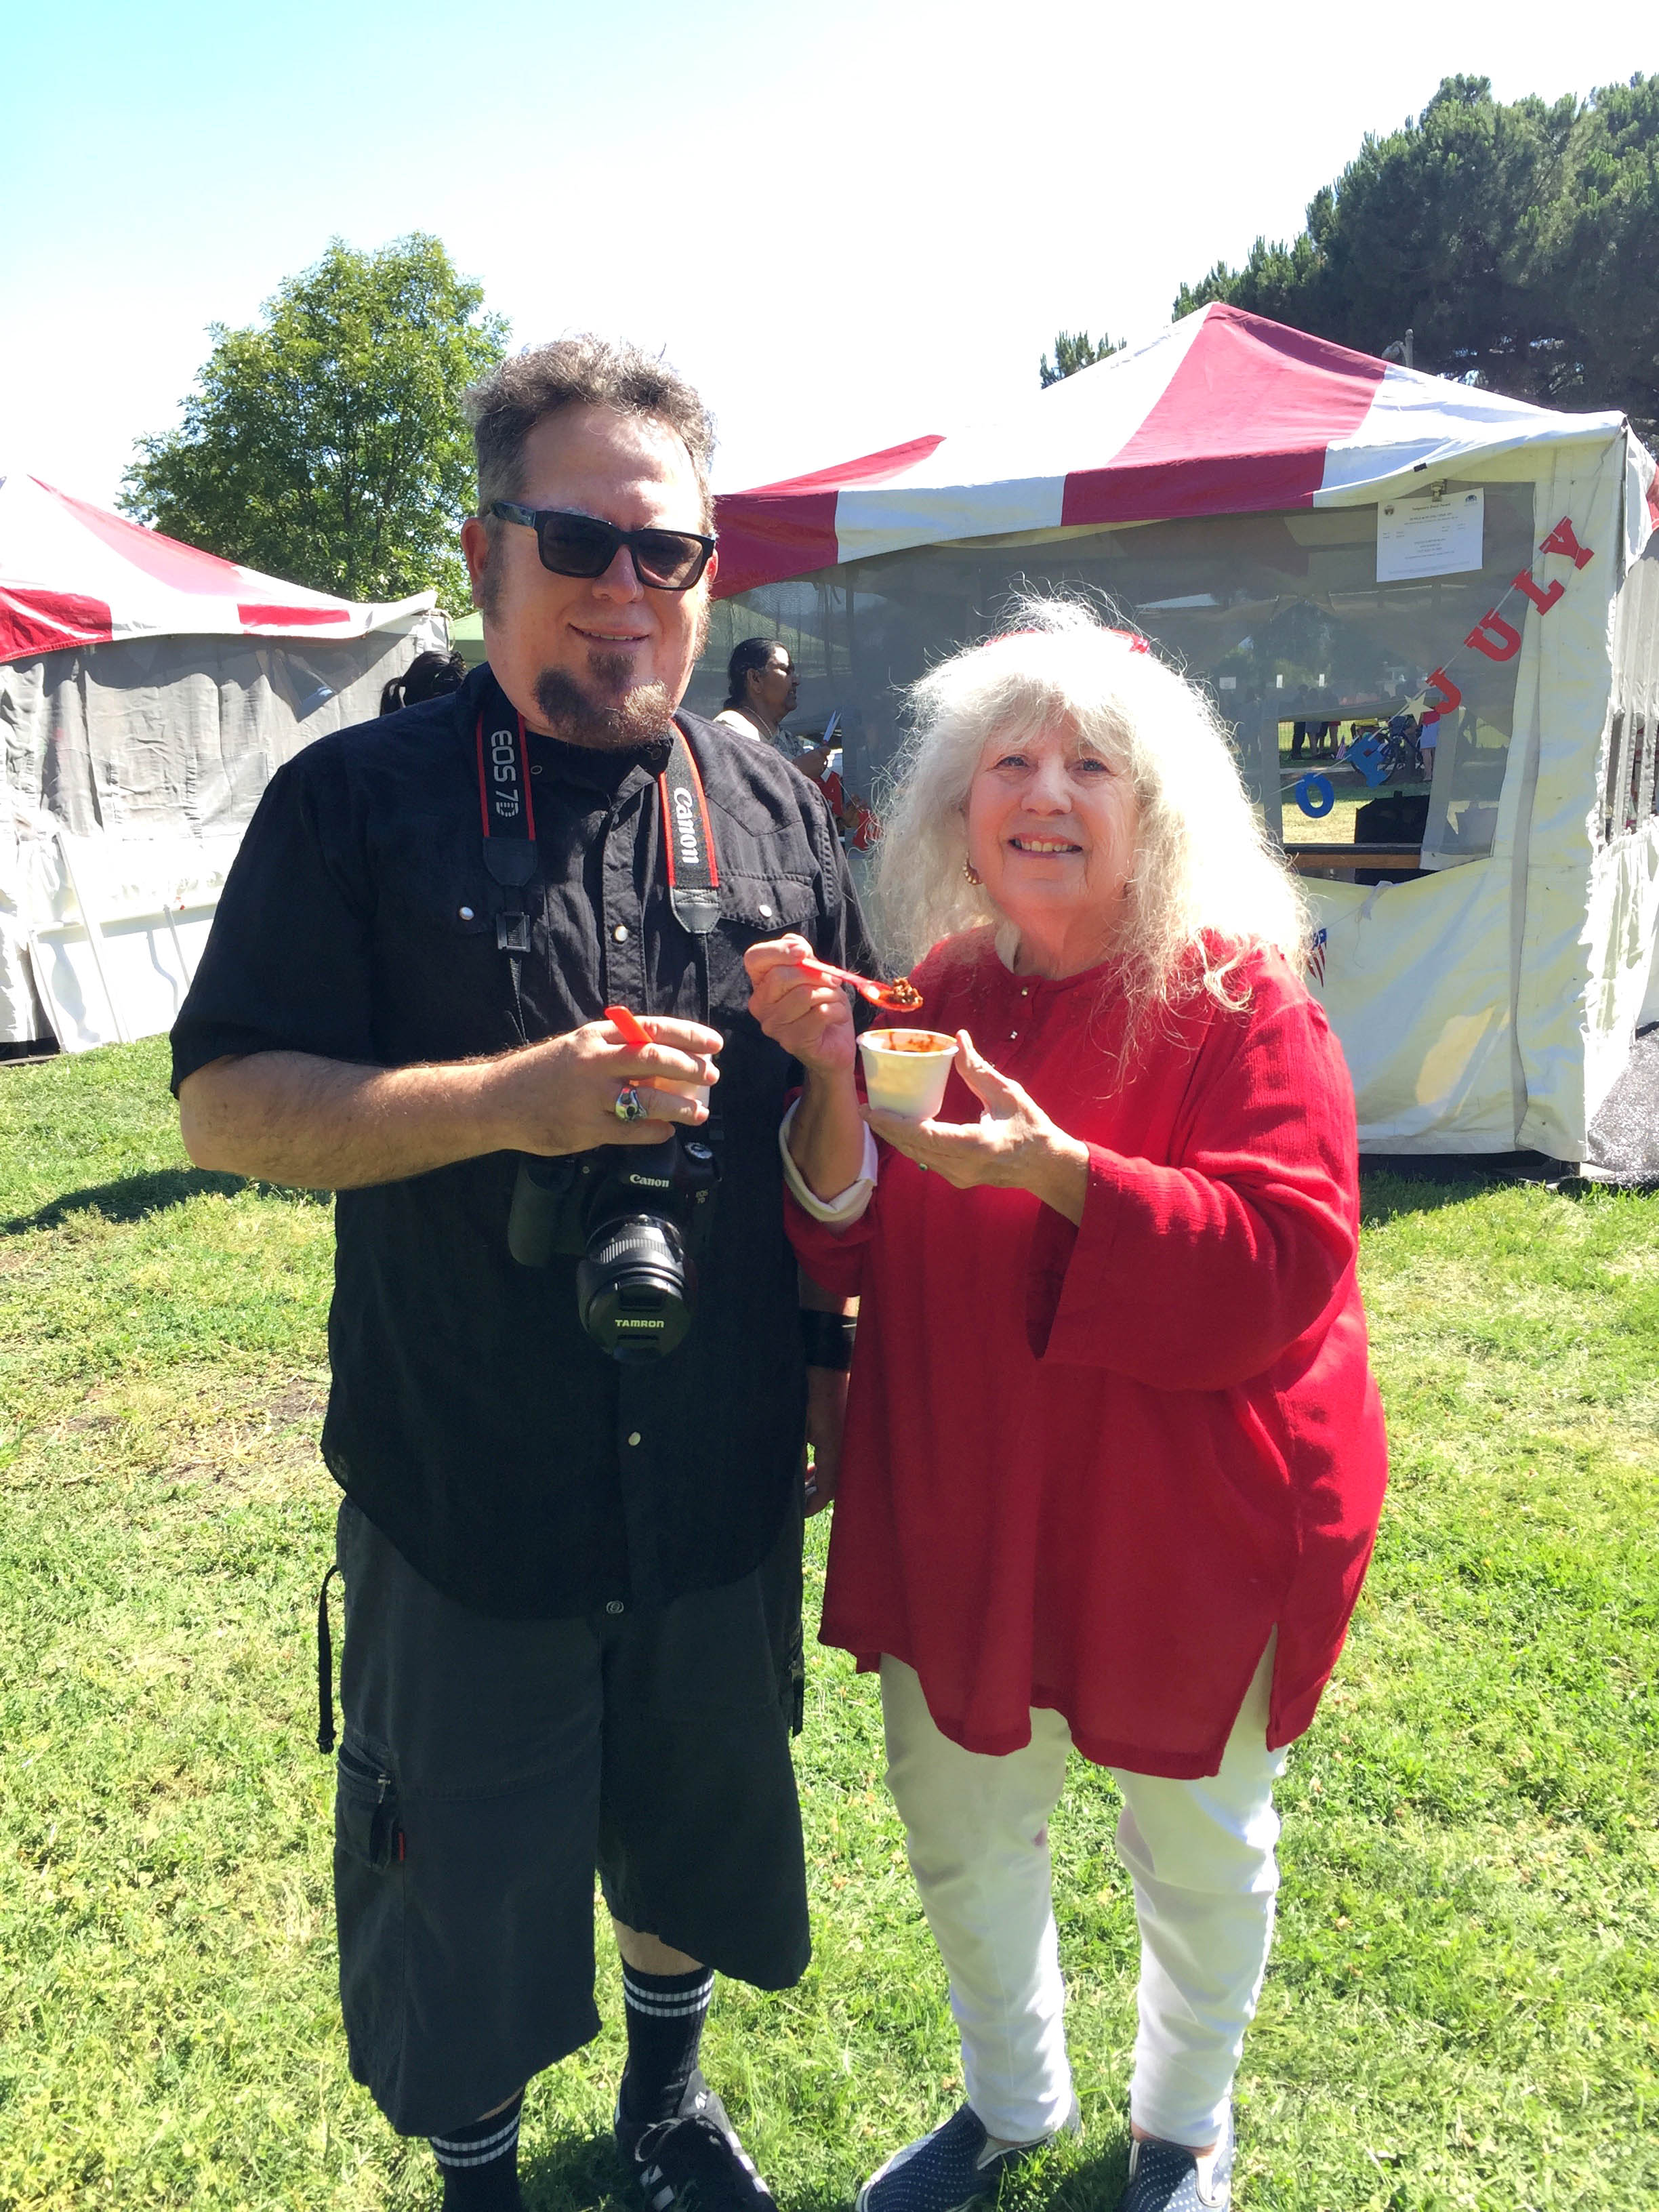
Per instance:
x=901, y=995
x=632, y=1033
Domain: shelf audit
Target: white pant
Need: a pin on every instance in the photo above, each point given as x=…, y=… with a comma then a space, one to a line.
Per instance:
x=1201, y=1856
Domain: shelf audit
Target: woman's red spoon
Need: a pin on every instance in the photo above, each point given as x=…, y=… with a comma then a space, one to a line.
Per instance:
x=901, y=995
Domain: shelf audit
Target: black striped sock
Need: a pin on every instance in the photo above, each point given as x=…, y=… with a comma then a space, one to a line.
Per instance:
x=480, y=2163
x=665, y=2013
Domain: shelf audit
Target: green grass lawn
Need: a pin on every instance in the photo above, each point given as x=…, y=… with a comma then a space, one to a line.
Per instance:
x=1461, y=2007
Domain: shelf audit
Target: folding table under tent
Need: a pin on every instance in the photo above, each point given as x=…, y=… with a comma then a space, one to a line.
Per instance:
x=1313, y=534
x=147, y=693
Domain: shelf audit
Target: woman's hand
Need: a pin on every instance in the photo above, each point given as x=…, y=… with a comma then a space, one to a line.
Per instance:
x=811, y=1019
x=1013, y=1146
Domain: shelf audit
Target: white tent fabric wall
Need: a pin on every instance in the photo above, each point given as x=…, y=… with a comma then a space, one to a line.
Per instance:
x=1626, y=898
x=129, y=772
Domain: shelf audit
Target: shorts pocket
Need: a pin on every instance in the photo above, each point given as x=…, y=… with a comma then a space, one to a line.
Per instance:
x=370, y=1908
x=366, y=1824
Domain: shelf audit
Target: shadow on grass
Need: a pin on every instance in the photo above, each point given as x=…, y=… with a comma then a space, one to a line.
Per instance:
x=578, y=2174
x=587, y=2176
x=1090, y=2180
x=1425, y=1184
x=134, y=1196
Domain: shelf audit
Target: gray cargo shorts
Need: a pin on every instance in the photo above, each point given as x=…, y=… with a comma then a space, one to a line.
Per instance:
x=488, y=1768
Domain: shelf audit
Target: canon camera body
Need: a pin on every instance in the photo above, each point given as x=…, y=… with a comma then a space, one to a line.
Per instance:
x=637, y=1218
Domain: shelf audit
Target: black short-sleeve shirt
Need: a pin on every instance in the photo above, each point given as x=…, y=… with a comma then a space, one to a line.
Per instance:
x=513, y=1464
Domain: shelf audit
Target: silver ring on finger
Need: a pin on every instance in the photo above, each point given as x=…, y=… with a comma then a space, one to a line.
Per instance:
x=630, y=1106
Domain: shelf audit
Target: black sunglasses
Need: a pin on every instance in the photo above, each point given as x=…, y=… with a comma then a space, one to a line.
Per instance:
x=581, y=545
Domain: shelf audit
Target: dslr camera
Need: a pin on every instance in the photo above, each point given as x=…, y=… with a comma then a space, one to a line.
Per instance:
x=636, y=1220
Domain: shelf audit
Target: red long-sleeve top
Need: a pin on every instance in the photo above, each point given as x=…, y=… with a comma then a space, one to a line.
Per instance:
x=1092, y=1467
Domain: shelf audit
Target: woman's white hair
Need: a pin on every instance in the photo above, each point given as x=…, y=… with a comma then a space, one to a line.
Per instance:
x=1206, y=885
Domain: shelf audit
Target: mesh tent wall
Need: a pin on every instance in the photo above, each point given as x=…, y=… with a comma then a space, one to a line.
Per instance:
x=147, y=693
x=1222, y=487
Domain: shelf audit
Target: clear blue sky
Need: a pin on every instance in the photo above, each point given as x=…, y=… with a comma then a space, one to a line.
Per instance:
x=851, y=222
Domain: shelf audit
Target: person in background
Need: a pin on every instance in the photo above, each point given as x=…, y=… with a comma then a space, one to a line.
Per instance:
x=762, y=688
x=1114, y=1458
x=428, y=675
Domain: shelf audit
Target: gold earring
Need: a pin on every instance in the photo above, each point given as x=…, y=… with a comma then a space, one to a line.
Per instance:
x=970, y=873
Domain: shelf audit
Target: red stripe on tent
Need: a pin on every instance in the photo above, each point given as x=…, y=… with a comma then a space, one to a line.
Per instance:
x=765, y=536
x=290, y=618
x=1243, y=424
x=187, y=569
x=869, y=468
x=181, y=567
x=787, y=529
x=34, y=622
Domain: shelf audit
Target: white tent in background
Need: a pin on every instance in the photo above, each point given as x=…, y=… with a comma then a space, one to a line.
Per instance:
x=1313, y=535
x=148, y=692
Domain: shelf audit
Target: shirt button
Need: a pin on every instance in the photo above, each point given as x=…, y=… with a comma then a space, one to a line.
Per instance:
x=633, y=1436
x=615, y=1605
x=1013, y=1034
x=466, y=913
x=765, y=911
x=620, y=933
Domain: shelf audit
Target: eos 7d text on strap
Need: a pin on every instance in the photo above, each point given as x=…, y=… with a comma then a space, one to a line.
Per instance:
x=509, y=841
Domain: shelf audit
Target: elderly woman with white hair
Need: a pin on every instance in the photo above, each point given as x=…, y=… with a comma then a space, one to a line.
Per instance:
x=1114, y=1459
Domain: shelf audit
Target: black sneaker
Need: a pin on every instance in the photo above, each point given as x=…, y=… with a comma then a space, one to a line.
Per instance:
x=954, y=2166
x=1166, y=2177
x=693, y=2161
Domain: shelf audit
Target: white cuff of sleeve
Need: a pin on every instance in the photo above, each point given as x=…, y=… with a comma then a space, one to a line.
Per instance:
x=842, y=1211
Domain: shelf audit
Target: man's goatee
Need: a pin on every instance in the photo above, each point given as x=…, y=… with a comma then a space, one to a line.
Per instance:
x=641, y=715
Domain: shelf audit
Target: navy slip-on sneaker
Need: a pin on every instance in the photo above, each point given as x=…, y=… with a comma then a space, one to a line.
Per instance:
x=1166, y=2177
x=955, y=2165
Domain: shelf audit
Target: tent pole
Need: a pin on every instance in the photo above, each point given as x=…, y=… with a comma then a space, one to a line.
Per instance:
x=1273, y=798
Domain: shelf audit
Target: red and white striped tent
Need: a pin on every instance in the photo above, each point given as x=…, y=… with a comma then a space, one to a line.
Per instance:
x=1224, y=413
x=148, y=691
x=74, y=574
x=1228, y=485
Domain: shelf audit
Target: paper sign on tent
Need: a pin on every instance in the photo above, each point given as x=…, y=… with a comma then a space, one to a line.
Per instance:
x=1430, y=537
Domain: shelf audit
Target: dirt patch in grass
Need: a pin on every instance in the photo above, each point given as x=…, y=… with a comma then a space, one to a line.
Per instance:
x=245, y=1437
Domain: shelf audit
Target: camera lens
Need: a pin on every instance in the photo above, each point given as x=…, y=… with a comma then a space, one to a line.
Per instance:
x=636, y=1287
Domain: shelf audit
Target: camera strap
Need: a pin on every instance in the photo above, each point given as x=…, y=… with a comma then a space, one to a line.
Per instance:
x=509, y=841
x=509, y=814
x=694, y=875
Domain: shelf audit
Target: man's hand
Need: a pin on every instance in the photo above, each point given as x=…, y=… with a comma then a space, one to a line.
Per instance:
x=561, y=1096
x=316, y=1124
x=1013, y=1146
x=811, y=1019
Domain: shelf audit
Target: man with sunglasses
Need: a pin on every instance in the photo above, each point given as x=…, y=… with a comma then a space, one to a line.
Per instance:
x=572, y=1586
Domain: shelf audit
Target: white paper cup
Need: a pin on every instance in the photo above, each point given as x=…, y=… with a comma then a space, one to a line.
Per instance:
x=697, y=1091
x=905, y=1070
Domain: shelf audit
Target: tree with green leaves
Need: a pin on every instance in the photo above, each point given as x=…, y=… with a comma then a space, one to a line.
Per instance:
x=1518, y=243
x=328, y=445
x=1075, y=349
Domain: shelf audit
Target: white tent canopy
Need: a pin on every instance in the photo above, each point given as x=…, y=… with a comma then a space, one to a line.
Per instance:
x=148, y=692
